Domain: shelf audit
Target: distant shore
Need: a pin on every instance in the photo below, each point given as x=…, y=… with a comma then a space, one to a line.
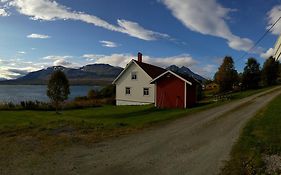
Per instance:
x=18, y=93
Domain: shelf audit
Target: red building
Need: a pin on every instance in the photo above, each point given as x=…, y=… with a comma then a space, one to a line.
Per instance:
x=175, y=91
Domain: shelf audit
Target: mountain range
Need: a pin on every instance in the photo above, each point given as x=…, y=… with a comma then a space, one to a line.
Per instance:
x=94, y=74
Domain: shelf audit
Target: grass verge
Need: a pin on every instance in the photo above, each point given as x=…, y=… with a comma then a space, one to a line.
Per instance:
x=258, y=149
x=100, y=122
x=31, y=137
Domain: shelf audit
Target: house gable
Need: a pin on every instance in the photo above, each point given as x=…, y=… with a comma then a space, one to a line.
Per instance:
x=172, y=73
x=141, y=91
x=132, y=62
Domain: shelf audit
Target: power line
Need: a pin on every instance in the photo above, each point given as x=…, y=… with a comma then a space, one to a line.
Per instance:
x=261, y=38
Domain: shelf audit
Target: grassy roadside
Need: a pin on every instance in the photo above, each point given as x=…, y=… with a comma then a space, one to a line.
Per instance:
x=97, y=123
x=29, y=137
x=258, y=149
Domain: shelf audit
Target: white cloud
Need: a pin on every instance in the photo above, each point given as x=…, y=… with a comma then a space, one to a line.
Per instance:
x=14, y=68
x=135, y=30
x=273, y=15
x=37, y=36
x=60, y=60
x=55, y=57
x=21, y=52
x=186, y=60
x=115, y=59
x=122, y=60
x=50, y=10
x=268, y=53
x=178, y=60
x=206, y=71
x=108, y=44
x=209, y=18
x=3, y=12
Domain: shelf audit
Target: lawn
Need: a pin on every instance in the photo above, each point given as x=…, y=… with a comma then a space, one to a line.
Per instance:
x=258, y=149
x=29, y=137
x=100, y=121
x=106, y=117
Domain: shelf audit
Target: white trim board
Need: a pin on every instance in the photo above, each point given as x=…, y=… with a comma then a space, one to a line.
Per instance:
x=168, y=71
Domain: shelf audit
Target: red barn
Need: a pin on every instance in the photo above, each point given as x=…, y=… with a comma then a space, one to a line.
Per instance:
x=175, y=91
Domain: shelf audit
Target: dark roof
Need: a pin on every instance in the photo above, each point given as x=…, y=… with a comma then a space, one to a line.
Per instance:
x=183, y=77
x=189, y=78
x=151, y=70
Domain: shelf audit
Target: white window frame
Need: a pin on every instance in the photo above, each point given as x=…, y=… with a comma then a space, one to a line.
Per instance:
x=146, y=88
x=130, y=91
x=134, y=74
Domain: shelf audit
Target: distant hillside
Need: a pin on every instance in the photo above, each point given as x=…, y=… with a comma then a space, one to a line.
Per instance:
x=95, y=74
x=186, y=71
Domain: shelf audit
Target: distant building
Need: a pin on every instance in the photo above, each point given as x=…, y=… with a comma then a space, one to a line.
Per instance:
x=133, y=83
x=211, y=86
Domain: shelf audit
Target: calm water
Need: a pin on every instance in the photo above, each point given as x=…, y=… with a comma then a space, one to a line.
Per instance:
x=18, y=93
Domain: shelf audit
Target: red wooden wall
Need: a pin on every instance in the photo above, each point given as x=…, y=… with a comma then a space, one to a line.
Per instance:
x=170, y=92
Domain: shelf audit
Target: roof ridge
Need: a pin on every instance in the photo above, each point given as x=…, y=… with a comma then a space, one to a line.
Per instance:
x=152, y=70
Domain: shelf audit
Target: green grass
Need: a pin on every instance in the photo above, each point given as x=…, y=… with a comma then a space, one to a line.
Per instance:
x=108, y=116
x=101, y=120
x=243, y=94
x=260, y=137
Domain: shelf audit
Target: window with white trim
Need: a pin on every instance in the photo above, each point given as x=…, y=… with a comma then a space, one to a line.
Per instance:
x=127, y=90
x=145, y=91
x=134, y=75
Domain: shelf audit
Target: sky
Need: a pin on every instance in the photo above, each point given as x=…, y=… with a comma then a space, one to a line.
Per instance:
x=35, y=34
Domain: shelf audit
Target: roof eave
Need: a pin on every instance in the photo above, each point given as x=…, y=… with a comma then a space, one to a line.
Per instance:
x=168, y=71
x=117, y=78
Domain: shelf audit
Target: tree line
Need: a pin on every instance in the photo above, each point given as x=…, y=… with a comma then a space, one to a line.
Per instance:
x=254, y=76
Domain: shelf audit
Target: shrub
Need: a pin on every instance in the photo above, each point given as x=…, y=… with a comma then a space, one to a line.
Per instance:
x=92, y=94
x=107, y=92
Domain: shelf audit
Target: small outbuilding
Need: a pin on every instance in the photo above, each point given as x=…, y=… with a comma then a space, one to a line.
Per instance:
x=175, y=91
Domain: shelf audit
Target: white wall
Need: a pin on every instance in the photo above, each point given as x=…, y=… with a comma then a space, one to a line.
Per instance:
x=136, y=97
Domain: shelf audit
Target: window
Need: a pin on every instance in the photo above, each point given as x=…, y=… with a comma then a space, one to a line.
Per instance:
x=134, y=75
x=145, y=91
x=127, y=91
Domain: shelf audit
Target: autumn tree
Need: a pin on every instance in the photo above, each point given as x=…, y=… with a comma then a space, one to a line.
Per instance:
x=226, y=75
x=270, y=71
x=251, y=75
x=58, y=88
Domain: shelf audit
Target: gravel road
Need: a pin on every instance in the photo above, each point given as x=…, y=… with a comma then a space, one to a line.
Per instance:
x=197, y=144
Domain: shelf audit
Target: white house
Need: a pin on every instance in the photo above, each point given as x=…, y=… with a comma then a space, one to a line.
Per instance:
x=133, y=83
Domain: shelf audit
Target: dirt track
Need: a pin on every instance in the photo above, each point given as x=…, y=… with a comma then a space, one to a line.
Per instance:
x=196, y=144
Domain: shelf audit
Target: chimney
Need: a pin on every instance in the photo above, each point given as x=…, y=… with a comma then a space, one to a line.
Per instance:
x=139, y=57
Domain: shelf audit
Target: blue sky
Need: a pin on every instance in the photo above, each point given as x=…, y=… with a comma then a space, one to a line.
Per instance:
x=35, y=34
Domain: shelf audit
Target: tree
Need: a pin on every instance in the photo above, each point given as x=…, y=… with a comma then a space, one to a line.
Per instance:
x=226, y=75
x=58, y=88
x=92, y=94
x=270, y=71
x=251, y=75
x=107, y=92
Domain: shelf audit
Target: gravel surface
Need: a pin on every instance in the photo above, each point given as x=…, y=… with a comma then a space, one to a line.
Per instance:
x=273, y=164
x=197, y=144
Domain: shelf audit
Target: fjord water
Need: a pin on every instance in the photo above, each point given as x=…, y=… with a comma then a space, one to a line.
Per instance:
x=18, y=93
